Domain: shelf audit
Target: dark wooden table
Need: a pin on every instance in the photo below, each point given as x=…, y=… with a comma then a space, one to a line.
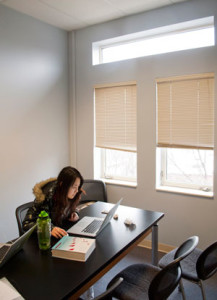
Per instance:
x=37, y=275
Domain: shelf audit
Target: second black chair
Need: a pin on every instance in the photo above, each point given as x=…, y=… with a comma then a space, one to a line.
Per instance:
x=95, y=191
x=145, y=281
x=20, y=215
x=198, y=266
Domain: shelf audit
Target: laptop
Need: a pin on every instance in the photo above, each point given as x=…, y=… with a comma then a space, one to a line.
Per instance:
x=92, y=226
x=8, y=250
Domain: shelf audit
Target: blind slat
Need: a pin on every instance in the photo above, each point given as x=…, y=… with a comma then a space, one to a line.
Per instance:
x=186, y=112
x=115, y=118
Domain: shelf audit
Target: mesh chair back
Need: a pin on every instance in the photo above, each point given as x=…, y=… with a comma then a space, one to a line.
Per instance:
x=187, y=247
x=107, y=294
x=165, y=282
x=20, y=215
x=95, y=191
x=206, y=265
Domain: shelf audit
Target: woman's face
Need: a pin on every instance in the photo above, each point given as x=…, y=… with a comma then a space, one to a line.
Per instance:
x=74, y=188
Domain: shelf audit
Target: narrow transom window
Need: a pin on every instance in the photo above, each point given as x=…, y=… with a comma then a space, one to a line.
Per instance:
x=176, y=37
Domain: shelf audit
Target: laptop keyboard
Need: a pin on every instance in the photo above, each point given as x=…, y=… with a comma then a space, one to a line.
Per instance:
x=3, y=251
x=93, y=226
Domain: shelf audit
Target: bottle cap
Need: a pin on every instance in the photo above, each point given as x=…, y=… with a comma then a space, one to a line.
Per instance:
x=43, y=214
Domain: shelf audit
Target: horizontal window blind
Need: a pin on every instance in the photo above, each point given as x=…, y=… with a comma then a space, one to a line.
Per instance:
x=115, y=117
x=185, y=112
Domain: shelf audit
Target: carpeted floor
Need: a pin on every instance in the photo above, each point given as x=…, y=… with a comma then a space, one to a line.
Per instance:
x=139, y=255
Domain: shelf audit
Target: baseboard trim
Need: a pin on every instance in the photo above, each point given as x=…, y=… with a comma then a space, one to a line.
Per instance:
x=161, y=247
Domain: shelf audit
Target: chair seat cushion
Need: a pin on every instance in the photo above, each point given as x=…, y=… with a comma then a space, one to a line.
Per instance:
x=188, y=264
x=137, y=279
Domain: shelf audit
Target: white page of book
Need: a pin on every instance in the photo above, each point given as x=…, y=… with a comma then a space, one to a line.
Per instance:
x=7, y=291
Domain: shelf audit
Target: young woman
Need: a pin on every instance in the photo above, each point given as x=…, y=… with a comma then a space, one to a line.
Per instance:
x=59, y=197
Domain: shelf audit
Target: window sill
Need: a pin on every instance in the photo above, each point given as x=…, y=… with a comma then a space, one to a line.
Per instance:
x=184, y=191
x=119, y=182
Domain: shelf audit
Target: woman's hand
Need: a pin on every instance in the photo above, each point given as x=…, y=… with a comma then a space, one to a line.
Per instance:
x=58, y=232
x=74, y=217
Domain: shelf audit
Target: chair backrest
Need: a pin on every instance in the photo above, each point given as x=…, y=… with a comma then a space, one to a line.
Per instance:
x=20, y=215
x=165, y=282
x=206, y=265
x=95, y=191
x=187, y=247
x=107, y=294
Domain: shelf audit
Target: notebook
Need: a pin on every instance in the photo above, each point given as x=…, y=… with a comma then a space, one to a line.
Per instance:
x=92, y=226
x=8, y=250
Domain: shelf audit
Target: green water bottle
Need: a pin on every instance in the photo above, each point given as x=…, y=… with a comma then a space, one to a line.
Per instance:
x=43, y=230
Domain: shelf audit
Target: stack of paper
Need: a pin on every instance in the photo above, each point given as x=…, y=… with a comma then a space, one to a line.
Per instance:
x=7, y=291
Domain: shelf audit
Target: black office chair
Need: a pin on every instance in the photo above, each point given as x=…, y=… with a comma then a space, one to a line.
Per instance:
x=145, y=281
x=95, y=191
x=108, y=292
x=198, y=266
x=20, y=215
x=106, y=295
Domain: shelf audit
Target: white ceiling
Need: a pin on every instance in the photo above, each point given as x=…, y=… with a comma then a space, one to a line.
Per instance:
x=75, y=14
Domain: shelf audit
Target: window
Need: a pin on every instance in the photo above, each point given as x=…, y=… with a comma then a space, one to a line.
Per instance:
x=115, y=154
x=186, y=35
x=185, y=133
x=187, y=168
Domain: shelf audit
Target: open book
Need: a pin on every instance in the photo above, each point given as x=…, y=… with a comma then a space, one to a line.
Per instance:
x=74, y=248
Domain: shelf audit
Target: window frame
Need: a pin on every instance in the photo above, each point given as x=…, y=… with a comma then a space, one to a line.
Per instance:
x=166, y=183
x=99, y=170
x=112, y=177
x=183, y=27
x=100, y=152
x=162, y=183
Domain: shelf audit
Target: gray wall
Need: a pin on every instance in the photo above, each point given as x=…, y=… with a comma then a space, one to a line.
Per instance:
x=184, y=215
x=33, y=110
x=34, y=122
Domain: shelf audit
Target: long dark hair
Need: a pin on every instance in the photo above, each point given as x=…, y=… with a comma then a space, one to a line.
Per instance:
x=65, y=179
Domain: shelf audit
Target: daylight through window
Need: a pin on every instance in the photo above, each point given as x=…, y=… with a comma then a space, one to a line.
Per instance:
x=187, y=35
x=115, y=156
x=185, y=132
